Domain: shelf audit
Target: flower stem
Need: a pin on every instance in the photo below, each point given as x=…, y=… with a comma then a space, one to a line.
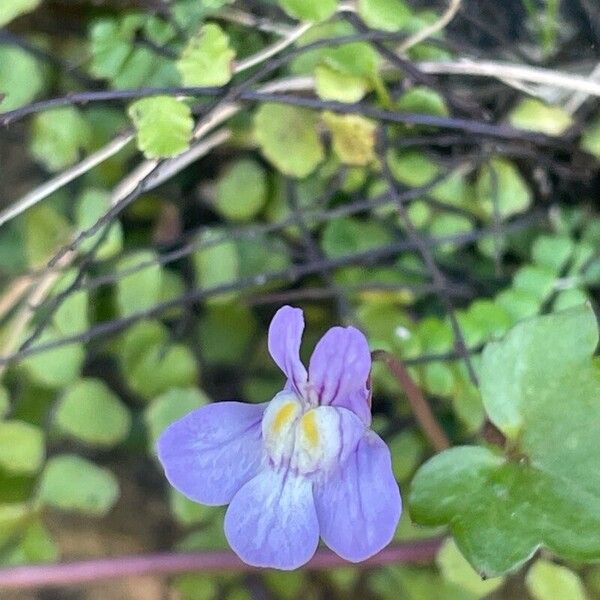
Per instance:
x=65, y=574
x=421, y=409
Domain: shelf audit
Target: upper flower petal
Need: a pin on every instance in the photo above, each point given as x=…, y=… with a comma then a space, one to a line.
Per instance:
x=339, y=369
x=209, y=454
x=359, y=507
x=272, y=522
x=285, y=336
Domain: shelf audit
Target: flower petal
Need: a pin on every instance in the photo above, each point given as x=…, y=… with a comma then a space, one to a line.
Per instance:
x=272, y=522
x=339, y=369
x=359, y=507
x=209, y=454
x=285, y=336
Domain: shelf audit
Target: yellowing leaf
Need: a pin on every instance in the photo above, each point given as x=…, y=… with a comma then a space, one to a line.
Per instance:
x=353, y=137
x=207, y=60
x=163, y=124
x=535, y=115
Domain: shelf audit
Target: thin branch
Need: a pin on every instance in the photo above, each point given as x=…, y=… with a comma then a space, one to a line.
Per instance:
x=43, y=191
x=419, y=405
x=499, y=70
x=66, y=574
x=426, y=32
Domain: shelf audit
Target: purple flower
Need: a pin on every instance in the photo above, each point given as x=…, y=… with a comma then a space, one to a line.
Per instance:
x=303, y=464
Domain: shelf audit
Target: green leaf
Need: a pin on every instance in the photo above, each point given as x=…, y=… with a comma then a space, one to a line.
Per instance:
x=501, y=189
x=89, y=411
x=163, y=124
x=420, y=99
x=539, y=282
x=353, y=137
x=72, y=483
x=412, y=168
x=552, y=252
x=309, y=10
x=330, y=84
x=71, y=317
x=288, y=138
x=349, y=235
x=230, y=349
x=388, y=15
x=58, y=367
x=20, y=77
x=548, y=581
x=241, y=190
x=141, y=289
x=46, y=230
x=22, y=448
x=11, y=10
x=358, y=59
x=207, y=60
x=534, y=115
x=138, y=338
x=110, y=46
x=58, y=137
x=161, y=368
x=455, y=569
x=216, y=264
x=546, y=491
x=590, y=140
x=169, y=407
x=92, y=204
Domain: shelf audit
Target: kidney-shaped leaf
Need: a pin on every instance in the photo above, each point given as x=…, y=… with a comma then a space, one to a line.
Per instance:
x=541, y=388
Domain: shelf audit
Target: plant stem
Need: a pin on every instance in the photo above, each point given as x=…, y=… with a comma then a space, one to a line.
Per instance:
x=65, y=574
x=421, y=409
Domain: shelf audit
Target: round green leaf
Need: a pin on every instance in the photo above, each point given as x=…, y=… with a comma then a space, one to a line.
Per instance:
x=534, y=115
x=388, y=15
x=72, y=483
x=288, y=138
x=141, y=289
x=309, y=10
x=502, y=189
x=58, y=367
x=20, y=76
x=330, y=84
x=22, y=447
x=163, y=124
x=160, y=368
x=58, y=136
x=548, y=581
x=92, y=413
x=241, y=191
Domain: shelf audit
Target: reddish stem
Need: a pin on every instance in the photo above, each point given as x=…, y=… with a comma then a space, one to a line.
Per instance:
x=65, y=574
x=421, y=409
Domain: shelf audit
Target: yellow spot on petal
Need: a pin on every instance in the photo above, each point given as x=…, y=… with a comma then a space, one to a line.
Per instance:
x=309, y=427
x=284, y=415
